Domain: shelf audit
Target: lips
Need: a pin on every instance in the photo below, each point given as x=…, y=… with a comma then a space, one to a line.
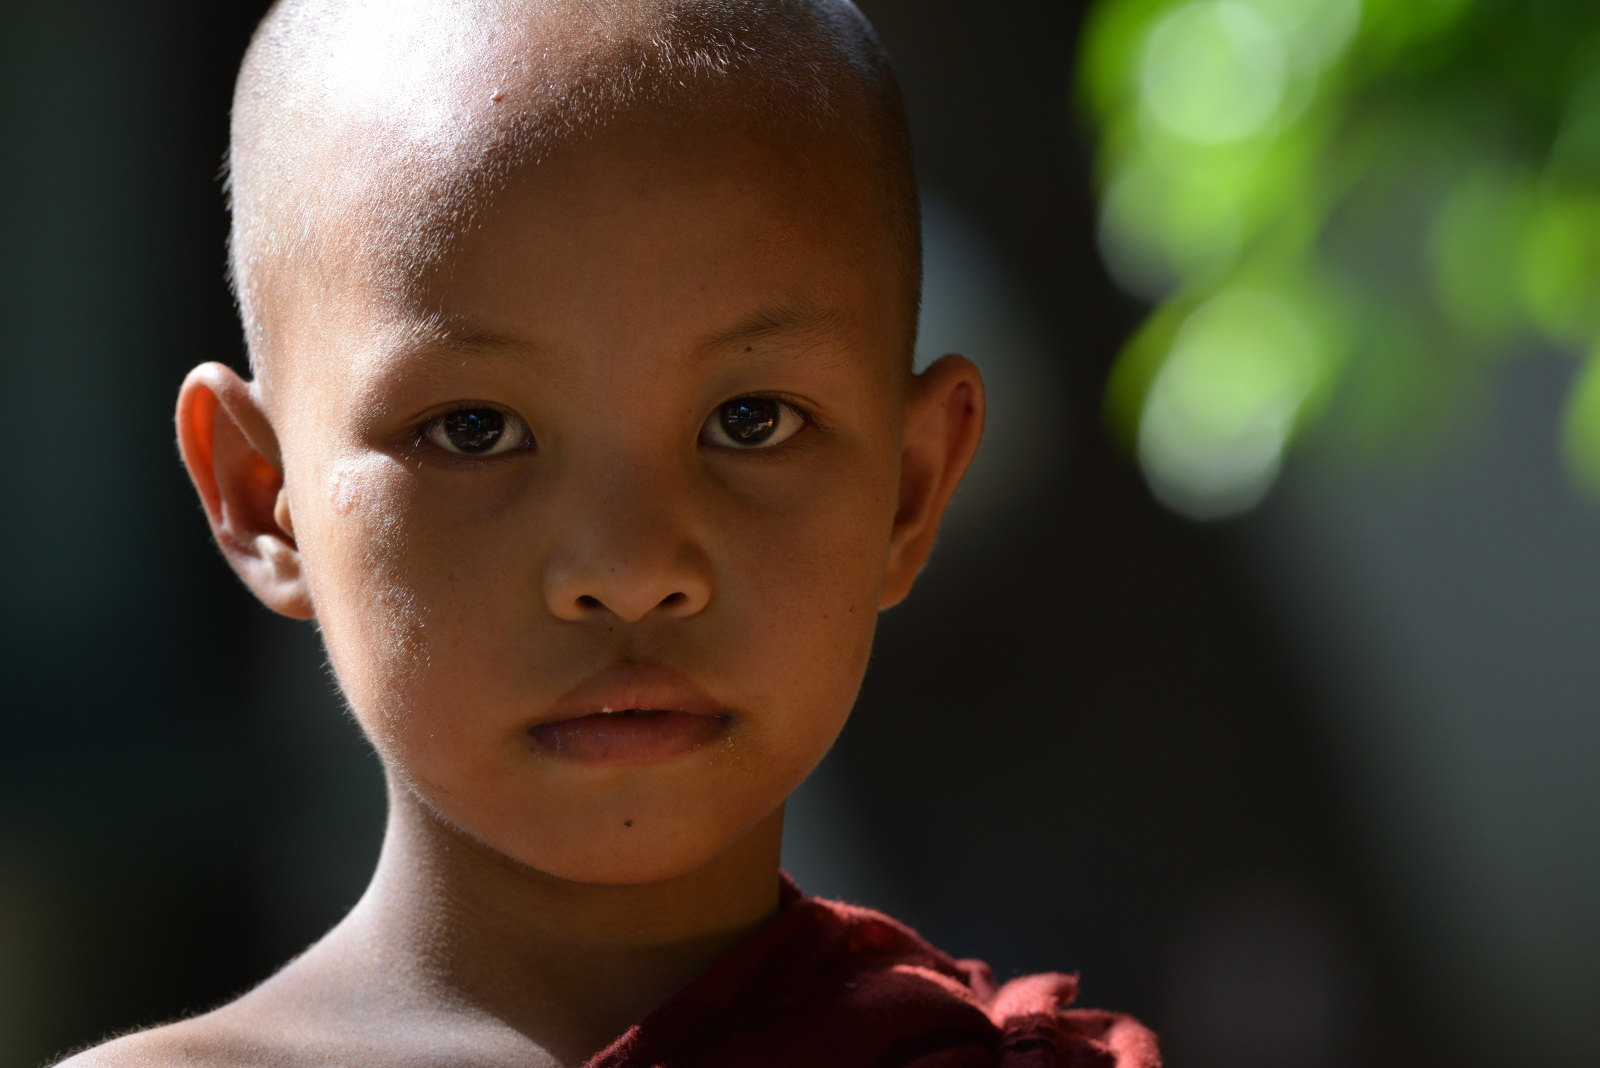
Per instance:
x=630, y=714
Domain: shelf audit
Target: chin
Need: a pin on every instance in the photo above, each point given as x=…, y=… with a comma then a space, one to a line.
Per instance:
x=617, y=845
x=624, y=865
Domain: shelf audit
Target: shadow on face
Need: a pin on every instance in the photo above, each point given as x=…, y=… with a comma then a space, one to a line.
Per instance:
x=596, y=514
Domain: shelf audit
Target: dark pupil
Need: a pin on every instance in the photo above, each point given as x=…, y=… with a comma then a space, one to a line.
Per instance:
x=475, y=430
x=750, y=420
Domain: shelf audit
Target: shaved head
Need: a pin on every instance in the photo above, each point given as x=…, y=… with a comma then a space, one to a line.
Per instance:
x=369, y=135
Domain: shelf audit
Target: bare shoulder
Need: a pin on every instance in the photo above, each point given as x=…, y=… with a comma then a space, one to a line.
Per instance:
x=210, y=1041
x=308, y=1016
x=276, y=1025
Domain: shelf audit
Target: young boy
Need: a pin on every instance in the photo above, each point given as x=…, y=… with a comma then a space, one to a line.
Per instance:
x=582, y=422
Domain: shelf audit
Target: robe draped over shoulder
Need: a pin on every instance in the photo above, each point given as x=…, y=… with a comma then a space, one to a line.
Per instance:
x=827, y=985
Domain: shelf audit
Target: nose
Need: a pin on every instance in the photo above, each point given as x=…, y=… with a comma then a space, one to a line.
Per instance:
x=626, y=550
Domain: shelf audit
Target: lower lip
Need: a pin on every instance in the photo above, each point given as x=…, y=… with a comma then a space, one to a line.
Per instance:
x=637, y=738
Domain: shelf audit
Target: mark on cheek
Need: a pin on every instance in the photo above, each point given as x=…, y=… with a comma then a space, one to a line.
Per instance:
x=374, y=624
x=627, y=823
x=344, y=493
x=350, y=487
x=357, y=485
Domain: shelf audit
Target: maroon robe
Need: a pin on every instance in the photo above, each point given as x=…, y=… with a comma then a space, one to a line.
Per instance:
x=825, y=985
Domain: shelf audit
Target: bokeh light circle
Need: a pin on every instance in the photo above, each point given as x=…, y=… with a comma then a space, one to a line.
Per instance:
x=1214, y=72
x=1223, y=406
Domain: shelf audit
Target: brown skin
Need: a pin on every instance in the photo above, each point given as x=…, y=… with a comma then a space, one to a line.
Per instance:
x=527, y=909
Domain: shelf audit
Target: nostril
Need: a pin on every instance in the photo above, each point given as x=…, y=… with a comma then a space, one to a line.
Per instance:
x=589, y=602
x=673, y=600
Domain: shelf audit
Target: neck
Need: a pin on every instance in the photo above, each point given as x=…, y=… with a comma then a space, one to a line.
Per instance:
x=569, y=965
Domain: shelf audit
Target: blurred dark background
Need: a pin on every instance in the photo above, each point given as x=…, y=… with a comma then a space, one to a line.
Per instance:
x=1313, y=787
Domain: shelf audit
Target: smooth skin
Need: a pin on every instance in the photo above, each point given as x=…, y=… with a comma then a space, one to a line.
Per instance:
x=527, y=909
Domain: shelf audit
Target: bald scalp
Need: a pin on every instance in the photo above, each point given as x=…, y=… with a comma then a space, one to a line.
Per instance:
x=369, y=135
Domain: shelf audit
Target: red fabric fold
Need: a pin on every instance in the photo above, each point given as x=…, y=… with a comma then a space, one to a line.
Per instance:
x=833, y=985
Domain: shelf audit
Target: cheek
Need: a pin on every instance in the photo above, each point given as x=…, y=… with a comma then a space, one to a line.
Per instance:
x=802, y=587
x=355, y=534
x=425, y=598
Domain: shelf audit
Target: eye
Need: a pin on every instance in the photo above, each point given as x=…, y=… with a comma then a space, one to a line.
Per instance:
x=752, y=423
x=477, y=432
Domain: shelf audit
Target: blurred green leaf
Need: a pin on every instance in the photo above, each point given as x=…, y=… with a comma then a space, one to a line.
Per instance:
x=1431, y=168
x=1580, y=438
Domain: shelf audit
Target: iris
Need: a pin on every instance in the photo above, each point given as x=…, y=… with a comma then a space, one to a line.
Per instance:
x=474, y=430
x=750, y=420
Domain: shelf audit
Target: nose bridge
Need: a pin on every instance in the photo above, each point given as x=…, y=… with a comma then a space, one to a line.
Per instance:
x=625, y=546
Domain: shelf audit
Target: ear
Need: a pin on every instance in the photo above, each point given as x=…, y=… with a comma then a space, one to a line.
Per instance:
x=944, y=419
x=231, y=451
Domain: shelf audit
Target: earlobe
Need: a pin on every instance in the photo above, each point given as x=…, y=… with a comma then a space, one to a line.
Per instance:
x=944, y=420
x=232, y=454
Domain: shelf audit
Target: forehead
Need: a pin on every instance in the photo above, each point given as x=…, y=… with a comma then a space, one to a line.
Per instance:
x=665, y=222
x=402, y=119
x=373, y=140
x=657, y=235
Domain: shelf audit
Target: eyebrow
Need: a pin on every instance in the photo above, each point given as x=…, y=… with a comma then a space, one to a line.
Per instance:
x=443, y=341
x=451, y=334
x=795, y=319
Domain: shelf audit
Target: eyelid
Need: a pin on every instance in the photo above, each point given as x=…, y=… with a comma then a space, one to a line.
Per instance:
x=439, y=411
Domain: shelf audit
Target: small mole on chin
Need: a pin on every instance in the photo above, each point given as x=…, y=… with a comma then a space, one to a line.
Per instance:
x=627, y=823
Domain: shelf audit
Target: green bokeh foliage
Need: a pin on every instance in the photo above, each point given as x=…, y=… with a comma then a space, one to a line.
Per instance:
x=1415, y=182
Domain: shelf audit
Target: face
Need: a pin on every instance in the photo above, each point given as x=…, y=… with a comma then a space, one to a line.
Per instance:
x=597, y=524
